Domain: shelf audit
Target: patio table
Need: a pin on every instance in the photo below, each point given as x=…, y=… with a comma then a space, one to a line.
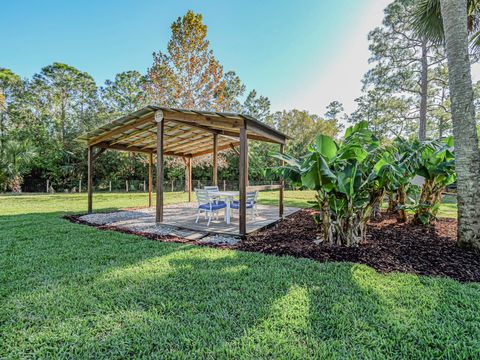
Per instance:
x=229, y=196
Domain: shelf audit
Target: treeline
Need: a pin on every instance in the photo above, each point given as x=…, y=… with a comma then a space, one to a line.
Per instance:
x=406, y=91
x=41, y=117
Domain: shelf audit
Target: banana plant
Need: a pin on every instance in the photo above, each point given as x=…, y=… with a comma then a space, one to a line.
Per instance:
x=437, y=166
x=348, y=177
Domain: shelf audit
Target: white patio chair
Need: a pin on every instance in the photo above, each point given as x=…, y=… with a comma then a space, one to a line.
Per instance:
x=251, y=204
x=207, y=204
x=212, y=190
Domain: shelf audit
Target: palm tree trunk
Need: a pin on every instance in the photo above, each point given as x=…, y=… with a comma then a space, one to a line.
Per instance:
x=467, y=162
x=422, y=131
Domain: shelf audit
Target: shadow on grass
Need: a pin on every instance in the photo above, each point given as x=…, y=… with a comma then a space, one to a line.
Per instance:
x=74, y=291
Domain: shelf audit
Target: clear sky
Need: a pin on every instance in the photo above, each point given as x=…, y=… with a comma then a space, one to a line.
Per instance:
x=301, y=54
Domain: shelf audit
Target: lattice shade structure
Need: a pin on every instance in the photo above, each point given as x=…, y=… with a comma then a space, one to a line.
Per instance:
x=185, y=133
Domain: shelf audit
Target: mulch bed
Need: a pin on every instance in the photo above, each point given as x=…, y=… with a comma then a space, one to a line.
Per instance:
x=390, y=246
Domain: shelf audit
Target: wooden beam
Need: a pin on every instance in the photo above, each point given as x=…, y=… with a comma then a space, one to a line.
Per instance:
x=209, y=151
x=150, y=179
x=119, y=130
x=153, y=137
x=282, y=183
x=225, y=132
x=189, y=165
x=218, y=121
x=90, y=179
x=149, y=137
x=235, y=149
x=98, y=153
x=243, y=175
x=193, y=141
x=264, y=187
x=119, y=147
x=128, y=136
x=160, y=127
x=260, y=130
x=215, y=160
x=205, y=144
x=197, y=126
x=183, y=140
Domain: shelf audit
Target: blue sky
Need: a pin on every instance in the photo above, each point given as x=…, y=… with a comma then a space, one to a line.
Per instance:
x=301, y=54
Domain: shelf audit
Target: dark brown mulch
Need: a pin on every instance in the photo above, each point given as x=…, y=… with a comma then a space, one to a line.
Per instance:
x=390, y=246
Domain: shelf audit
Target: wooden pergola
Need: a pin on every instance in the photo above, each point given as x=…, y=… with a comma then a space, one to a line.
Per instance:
x=187, y=134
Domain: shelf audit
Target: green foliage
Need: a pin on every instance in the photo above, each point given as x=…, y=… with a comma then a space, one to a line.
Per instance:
x=407, y=86
x=436, y=165
x=14, y=163
x=302, y=127
x=125, y=94
x=433, y=161
x=349, y=178
x=427, y=20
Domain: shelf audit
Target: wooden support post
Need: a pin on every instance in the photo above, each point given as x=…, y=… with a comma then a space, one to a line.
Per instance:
x=189, y=165
x=90, y=179
x=160, y=127
x=126, y=185
x=243, y=172
x=282, y=183
x=150, y=179
x=79, y=186
x=48, y=186
x=215, y=160
x=110, y=186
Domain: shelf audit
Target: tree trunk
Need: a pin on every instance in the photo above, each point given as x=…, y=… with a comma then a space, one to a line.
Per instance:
x=377, y=199
x=324, y=218
x=186, y=179
x=467, y=156
x=422, y=130
x=402, y=200
x=429, y=202
x=16, y=184
x=349, y=231
x=392, y=202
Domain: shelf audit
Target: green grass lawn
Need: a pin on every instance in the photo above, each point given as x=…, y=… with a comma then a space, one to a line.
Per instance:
x=72, y=291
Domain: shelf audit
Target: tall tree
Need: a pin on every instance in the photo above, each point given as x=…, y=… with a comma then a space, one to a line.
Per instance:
x=451, y=20
x=10, y=84
x=256, y=105
x=126, y=93
x=233, y=91
x=67, y=96
x=302, y=127
x=188, y=74
x=334, y=109
x=403, y=62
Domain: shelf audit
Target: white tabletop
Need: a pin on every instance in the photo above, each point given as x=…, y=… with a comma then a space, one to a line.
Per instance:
x=226, y=193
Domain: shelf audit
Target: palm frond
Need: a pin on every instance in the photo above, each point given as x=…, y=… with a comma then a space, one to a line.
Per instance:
x=427, y=20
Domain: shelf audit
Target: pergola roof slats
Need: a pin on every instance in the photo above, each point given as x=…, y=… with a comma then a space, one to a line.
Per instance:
x=186, y=132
